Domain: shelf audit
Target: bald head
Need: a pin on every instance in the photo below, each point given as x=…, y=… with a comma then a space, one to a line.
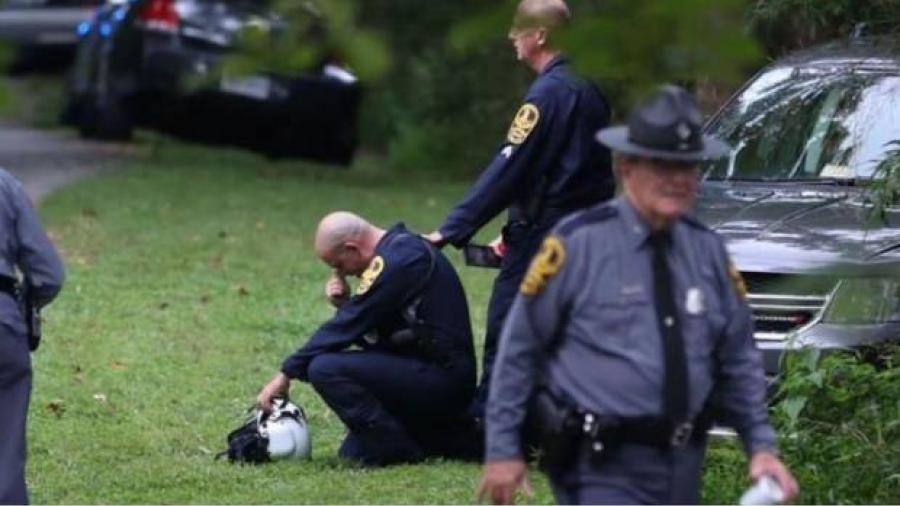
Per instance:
x=338, y=228
x=550, y=15
x=346, y=242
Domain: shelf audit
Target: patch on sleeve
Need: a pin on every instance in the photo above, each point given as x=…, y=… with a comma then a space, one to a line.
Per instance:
x=545, y=265
x=524, y=122
x=370, y=275
x=737, y=280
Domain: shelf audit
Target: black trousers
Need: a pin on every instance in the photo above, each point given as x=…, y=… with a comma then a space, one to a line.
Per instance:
x=15, y=390
x=397, y=408
x=632, y=474
x=522, y=244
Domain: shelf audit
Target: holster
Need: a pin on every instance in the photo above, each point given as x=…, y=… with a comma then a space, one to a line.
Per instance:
x=548, y=430
x=30, y=311
x=33, y=319
x=418, y=340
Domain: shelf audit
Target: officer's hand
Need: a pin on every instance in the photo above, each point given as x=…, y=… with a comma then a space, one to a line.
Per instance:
x=277, y=386
x=764, y=463
x=435, y=238
x=337, y=290
x=498, y=246
x=501, y=479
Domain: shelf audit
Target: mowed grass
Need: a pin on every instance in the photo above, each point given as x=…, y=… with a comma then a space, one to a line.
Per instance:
x=190, y=276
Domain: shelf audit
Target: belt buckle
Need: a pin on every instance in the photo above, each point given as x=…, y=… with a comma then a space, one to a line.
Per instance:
x=681, y=434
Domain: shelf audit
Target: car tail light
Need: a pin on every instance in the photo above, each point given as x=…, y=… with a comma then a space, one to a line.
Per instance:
x=160, y=15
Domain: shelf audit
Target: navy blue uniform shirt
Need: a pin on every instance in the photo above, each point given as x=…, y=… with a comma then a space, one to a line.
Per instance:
x=402, y=261
x=552, y=137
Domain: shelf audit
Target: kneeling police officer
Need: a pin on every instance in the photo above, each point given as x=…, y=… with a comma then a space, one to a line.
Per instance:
x=413, y=375
x=629, y=332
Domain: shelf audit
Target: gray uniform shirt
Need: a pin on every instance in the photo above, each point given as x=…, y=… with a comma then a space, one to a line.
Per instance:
x=589, y=298
x=25, y=248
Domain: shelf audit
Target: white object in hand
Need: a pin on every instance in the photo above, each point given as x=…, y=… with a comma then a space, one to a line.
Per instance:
x=764, y=491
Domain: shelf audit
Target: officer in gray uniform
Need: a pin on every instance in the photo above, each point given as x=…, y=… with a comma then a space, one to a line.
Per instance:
x=25, y=252
x=629, y=332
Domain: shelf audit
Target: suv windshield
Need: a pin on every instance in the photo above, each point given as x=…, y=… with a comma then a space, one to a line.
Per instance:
x=810, y=124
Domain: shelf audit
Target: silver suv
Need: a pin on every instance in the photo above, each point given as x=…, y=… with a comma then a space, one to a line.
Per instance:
x=812, y=135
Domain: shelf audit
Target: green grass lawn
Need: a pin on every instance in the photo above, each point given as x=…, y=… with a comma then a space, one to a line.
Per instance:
x=190, y=276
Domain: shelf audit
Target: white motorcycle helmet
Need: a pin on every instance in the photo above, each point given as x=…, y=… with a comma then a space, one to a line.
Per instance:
x=286, y=429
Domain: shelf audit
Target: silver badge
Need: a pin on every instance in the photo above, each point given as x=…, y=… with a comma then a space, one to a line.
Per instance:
x=507, y=152
x=693, y=302
x=683, y=131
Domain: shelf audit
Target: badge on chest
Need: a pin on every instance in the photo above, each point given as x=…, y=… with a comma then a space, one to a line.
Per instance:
x=694, y=303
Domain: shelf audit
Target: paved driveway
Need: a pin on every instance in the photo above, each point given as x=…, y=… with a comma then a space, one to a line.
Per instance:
x=46, y=160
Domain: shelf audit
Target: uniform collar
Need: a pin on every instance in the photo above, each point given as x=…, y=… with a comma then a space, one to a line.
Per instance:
x=390, y=233
x=557, y=61
x=637, y=230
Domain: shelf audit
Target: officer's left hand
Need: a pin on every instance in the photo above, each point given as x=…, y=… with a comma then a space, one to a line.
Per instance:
x=501, y=479
x=764, y=463
x=277, y=386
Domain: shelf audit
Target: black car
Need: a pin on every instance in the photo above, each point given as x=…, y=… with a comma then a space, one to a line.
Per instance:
x=157, y=63
x=813, y=134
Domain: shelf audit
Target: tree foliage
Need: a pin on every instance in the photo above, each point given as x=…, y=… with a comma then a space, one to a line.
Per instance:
x=783, y=25
x=308, y=34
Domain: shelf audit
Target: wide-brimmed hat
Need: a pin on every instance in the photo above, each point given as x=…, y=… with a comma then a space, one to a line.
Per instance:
x=669, y=126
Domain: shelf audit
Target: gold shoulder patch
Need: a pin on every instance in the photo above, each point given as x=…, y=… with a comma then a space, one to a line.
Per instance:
x=524, y=122
x=370, y=275
x=545, y=265
x=737, y=280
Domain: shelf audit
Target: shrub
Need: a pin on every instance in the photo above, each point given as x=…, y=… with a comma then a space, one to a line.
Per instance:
x=839, y=418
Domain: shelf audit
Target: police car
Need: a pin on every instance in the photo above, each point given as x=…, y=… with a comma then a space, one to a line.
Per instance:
x=158, y=63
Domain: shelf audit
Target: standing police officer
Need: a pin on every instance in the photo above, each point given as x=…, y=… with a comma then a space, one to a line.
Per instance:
x=25, y=251
x=415, y=372
x=547, y=167
x=630, y=328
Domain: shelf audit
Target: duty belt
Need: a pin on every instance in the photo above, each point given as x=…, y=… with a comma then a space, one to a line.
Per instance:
x=601, y=432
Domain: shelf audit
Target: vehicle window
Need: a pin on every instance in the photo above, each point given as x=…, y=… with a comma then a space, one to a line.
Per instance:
x=802, y=124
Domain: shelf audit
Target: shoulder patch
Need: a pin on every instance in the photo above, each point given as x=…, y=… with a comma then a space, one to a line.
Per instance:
x=545, y=265
x=592, y=215
x=737, y=280
x=524, y=122
x=369, y=276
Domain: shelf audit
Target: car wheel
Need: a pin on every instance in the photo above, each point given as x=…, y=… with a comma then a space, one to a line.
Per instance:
x=109, y=119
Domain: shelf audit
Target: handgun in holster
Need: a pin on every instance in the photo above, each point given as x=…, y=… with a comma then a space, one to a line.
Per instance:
x=32, y=315
x=548, y=430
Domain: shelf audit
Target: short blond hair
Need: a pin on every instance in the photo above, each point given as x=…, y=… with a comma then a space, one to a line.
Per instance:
x=550, y=15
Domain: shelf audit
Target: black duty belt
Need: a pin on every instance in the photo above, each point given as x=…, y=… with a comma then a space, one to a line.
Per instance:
x=8, y=286
x=601, y=432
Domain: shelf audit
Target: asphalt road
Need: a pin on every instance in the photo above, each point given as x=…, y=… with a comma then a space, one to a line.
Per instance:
x=47, y=160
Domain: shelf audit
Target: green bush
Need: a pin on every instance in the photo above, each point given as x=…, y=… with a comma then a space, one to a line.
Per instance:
x=453, y=111
x=839, y=418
